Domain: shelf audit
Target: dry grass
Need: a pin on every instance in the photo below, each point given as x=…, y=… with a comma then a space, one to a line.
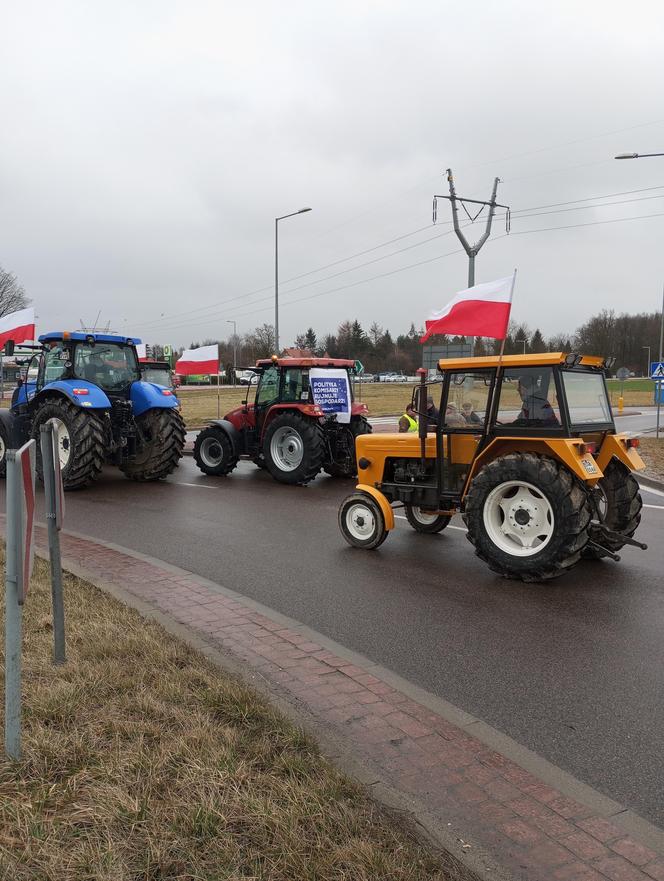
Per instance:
x=652, y=453
x=144, y=761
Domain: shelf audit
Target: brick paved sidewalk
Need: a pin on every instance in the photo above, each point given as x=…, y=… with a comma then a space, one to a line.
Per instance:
x=472, y=797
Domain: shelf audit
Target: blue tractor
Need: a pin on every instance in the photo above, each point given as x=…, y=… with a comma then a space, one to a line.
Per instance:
x=90, y=383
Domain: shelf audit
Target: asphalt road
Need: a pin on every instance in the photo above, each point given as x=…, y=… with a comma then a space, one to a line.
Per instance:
x=574, y=669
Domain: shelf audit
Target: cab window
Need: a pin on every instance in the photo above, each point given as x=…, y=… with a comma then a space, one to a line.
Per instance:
x=268, y=389
x=296, y=385
x=55, y=362
x=468, y=400
x=528, y=398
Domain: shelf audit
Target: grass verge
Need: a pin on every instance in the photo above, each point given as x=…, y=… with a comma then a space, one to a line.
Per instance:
x=143, y=761
x=652, y=453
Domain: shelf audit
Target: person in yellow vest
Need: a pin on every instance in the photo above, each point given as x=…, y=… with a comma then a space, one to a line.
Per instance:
x=408, y=421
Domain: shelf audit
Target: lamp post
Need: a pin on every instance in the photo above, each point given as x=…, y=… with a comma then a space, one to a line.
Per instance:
x=647, y=373
x=234, y=323
x=524, y=341
x=276, y=273
x=659, y=387
x=636, y=155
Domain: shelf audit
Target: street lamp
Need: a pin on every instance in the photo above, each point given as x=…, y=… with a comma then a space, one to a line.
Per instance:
x=647, y=373
x=524, y=341
x=234, y=323
x=636, y=155
x=276, y=273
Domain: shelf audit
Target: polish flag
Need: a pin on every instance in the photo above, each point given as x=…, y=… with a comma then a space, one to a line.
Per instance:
x=193, y=362
x=483, y=310
x=18, y=326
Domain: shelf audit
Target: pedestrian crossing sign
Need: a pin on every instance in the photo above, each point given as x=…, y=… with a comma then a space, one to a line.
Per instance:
x=657, y=370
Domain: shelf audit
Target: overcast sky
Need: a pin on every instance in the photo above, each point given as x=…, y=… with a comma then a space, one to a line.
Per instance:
x=148, y=146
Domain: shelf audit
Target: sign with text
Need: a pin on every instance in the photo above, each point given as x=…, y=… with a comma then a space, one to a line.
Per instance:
x=330, y=389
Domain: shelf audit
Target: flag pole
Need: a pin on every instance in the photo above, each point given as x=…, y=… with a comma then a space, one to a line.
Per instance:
x=218, y=390
x=502, y=345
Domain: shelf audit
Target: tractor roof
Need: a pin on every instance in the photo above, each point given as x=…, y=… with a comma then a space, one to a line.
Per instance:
x=543, y=360
x=82, y=336
x=306, y=362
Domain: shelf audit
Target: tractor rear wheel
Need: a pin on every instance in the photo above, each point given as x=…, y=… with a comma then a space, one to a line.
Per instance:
x=5, y=443
x=426, y=521
x=527, y=517
x=163, y=442
x=619, y=508
x=213, y=451
x=80, y=438
x=294, y=448
x=361, y=521
x=358, y=425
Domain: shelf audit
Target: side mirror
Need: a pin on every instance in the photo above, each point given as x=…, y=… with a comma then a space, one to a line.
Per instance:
x=9, y=348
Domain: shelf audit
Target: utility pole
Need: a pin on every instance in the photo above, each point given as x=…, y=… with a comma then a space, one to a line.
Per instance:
x=471, y=250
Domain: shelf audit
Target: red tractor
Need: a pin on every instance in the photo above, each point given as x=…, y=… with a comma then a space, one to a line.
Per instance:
x=302, y=418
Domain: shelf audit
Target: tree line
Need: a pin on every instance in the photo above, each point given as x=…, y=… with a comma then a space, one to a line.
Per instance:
x=622, y=336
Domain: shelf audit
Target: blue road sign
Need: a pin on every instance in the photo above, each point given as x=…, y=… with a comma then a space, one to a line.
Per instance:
x=657, y=370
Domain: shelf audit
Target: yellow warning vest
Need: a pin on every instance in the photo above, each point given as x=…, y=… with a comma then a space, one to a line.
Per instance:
x=412, y=423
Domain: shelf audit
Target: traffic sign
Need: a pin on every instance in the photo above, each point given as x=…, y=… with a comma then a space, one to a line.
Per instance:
x=168, y=351
x=622, y=373
x=359, y=367
x=657, y=370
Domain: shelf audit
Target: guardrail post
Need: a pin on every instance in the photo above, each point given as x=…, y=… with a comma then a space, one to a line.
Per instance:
x=53, y=493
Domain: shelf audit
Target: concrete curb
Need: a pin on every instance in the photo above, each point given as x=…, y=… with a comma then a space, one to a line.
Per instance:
x=499, y=808
x=650, y=482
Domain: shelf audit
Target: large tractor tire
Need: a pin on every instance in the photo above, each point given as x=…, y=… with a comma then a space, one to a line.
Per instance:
x=527, y=517
x=358, y=425
x=294, y=448
x=81, y=441
x=5, y=444
x=619, y=508
x=213, y=452
x=425, y=521
x=361, y=521
x=163, y=432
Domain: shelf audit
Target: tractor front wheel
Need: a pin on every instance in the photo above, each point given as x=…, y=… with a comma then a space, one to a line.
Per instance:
x=361, y=521
x=619, y=506
x=527, y=517
x=294, y=448
x=426, y=521
x=163, y=436
x=80, y=438
x=213, y=451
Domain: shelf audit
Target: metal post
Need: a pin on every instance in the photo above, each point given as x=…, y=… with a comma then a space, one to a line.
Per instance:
x=12, y=616
x=276, y=285
x=48, y=466
x=661, y=385
x=471, y=250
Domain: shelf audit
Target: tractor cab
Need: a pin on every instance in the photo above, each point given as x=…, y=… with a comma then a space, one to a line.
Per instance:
x=525, y=447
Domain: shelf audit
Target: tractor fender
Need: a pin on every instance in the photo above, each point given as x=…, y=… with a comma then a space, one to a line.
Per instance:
x=616, y=445
x=231, y=432
x=385, y=506
x=79, y=391
x=150, y=396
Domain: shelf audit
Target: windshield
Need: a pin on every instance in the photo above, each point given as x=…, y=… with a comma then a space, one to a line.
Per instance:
x=156, y=375
x=586, y=398
x=108, y=365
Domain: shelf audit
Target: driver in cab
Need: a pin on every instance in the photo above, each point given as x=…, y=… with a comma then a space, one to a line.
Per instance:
x=535, y=408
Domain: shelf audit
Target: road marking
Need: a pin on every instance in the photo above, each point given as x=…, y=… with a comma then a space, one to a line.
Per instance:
x=656, y=507
x=648, y=489
x=195, y=485
x=460, y=528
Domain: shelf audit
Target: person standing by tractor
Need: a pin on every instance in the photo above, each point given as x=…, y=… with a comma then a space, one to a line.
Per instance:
x=408, y=421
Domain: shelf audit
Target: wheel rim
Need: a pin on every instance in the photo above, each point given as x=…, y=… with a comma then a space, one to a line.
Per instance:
x=211, y=452
x=360, y=521
x=424, y=517
x=3, y=448
x=63, y=441
x=518, y=518
x=287, y=448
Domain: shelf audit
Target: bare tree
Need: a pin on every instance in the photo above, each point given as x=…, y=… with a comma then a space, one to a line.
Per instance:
x=12, y=294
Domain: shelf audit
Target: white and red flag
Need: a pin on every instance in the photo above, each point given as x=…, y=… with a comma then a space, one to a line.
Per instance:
x=483, y=310
x=194, y=362
x=18, y=326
